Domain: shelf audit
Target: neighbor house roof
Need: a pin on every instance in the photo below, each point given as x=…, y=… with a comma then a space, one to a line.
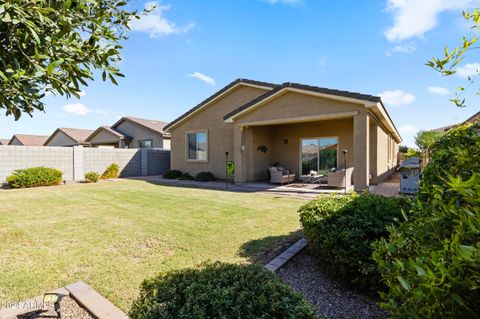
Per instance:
x=475, y=117
x=154, y=125
x=120, y=135
x=4, y=141
x=79, y=135
x=217, y=95
x=30, y=140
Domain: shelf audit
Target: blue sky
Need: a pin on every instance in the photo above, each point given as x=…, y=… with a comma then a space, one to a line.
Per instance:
x=187, y=50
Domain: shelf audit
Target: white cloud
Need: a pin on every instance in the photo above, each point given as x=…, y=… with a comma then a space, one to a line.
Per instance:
x=468, y=70
x=283, y=1
x=100, y=111
x=413, y=18
x=77, y=109
x=406, y=48
x=438, y=90
x=397, y=97
x=155, y=24
x=408, y=129
x=203, y=77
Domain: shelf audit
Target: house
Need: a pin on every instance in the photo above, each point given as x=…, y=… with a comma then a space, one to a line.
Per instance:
x=474, y=118
x=300, y=127
x=68, y=137
x=28, y=140
x=131, y=132
x=4, y=141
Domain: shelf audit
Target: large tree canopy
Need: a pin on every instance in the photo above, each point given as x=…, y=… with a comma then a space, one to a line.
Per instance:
x=54, y=46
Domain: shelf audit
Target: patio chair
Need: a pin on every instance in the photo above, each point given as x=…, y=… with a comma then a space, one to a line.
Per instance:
x=337, y=178
x=278, y=175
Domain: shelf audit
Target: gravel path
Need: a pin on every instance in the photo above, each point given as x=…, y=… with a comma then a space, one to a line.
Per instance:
x=69, y=308
x=328, y=297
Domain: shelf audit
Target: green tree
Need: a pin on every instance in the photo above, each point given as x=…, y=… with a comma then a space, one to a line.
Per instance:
x=425, y=139
x=54, y=46
x=447, y=65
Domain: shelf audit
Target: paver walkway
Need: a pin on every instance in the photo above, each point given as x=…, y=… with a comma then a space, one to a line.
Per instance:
x=389, y=188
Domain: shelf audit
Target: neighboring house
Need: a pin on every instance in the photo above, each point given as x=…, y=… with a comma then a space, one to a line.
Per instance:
x=132, y=132
x=106, y=136
x=69, y=137
x=4, y=141
x=300, y=127
x=28, y=140
x=474, y=118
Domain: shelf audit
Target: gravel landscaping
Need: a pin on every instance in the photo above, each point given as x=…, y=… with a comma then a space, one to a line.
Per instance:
x=330, y=299
x=69, y=309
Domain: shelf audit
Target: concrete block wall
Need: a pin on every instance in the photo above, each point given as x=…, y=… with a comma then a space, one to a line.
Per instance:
x=75, y=161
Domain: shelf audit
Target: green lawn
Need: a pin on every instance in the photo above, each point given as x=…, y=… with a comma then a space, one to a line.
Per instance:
x=114, y=234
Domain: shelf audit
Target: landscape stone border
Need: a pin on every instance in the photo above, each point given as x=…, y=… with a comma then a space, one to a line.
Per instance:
x=97, y=305
x=288, y=254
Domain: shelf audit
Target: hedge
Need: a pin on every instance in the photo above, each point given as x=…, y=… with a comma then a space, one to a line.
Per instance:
x=34, y=176
x=431, y=262
x=341, y=229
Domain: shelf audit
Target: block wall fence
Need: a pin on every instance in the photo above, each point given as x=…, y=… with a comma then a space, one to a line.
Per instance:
x=75, y=161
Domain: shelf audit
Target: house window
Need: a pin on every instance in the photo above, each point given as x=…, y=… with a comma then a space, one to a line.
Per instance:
x=145, y=144
x=197, y=146
x=318, y=154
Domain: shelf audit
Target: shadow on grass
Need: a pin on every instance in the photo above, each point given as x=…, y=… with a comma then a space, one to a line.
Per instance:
x=262, y=250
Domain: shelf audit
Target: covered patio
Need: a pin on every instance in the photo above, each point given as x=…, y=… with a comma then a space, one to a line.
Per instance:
x=308, y=132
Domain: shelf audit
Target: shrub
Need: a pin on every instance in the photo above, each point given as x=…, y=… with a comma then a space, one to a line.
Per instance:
x=205, y=177
x=172, y=174
x=219, y=290
x=341, y=228
x=186, y=177
x=431, y=262
x=92, y=177
x=35, y=176
x=112, y=171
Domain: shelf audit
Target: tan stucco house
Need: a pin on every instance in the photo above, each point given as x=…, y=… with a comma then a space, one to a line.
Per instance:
x=4, y=141
x=68, y=137
x=300, y=127
x=131, y=132
x=28, y=140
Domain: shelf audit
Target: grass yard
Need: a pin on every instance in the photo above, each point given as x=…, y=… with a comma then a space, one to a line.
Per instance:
x=114, y=234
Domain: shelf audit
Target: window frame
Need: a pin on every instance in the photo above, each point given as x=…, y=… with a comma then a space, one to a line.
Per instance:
x=316, y=138
x=146, y=140
x=206, y=148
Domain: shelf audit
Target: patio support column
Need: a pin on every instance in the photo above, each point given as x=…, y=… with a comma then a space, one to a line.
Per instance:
x=361, y=152
x=238, y=154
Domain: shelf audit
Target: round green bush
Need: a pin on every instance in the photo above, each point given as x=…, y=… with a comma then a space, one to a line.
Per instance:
x=204, y=177
x=92, y=177
x=34, y=176
x=172, y=174
x=186, y=177
x=219, y=290
x=341, y=229
x=431, y=262
x=112, y=171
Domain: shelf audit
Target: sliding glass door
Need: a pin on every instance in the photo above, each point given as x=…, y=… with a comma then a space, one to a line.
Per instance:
x=318, y=154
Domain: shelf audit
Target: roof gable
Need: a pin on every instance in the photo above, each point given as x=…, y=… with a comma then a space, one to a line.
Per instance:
x=110, y=131
x=77, y=135
x=153, y=125
x=29, y=140
x=216, y=96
